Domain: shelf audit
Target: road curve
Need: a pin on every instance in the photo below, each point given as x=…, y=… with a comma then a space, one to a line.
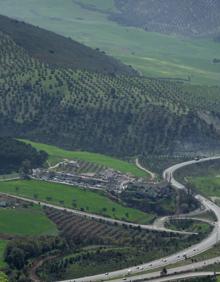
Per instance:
x=169, y=172
x=152, y=175
x=201, y=247
x=163, y=220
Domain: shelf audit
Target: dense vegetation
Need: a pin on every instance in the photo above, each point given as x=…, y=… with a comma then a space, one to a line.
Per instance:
x=14, y=154
x=160, y=199
x=20, y=252
x=111, y=114
x=176, y=16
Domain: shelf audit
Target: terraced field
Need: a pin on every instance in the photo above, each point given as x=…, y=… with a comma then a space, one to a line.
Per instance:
x=76, y=198
x=91, y=229
x=105, y=248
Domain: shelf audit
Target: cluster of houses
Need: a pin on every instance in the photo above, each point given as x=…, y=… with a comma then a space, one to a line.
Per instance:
x=66, y=173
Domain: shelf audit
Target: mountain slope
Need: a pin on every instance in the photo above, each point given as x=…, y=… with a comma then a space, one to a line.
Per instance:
x=184, y=17
x=59, y=51
x=153, y=54
x=117, y=115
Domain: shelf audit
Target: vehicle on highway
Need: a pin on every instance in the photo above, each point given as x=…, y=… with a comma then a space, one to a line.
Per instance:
x=163, y=272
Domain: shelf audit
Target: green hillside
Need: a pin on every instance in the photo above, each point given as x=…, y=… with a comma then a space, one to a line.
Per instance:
x=59, y=51
x=57, y=154
x=152, y=53
x=110, y=114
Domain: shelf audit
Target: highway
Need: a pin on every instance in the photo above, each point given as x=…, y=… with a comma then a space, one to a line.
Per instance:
x=181, y=271
x=204, y=245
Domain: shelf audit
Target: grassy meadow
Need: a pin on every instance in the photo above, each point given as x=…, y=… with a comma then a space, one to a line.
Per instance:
x=57, y=154
x=151, y=53
x=25, y=222
x=72, y=197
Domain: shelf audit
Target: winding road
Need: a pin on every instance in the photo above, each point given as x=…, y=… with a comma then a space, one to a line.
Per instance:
x=194, y=250
x=152, y=174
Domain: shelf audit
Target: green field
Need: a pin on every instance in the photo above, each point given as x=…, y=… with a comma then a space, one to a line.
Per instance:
x=25, y=222
x=151, y=53
x=73, y=197
x=57, y=154
x=209, y=186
